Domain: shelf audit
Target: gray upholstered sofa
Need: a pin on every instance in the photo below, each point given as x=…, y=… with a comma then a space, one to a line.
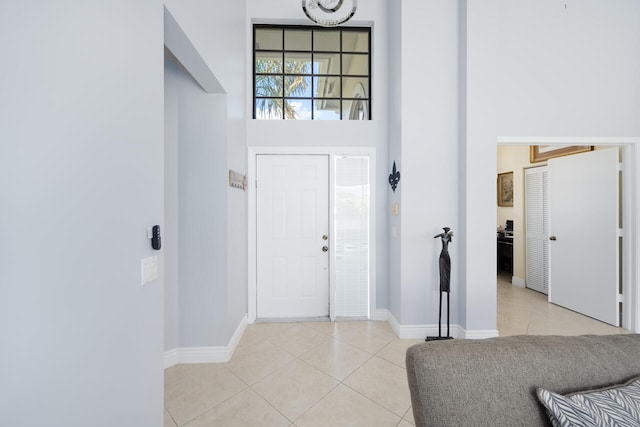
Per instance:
x=493, y=382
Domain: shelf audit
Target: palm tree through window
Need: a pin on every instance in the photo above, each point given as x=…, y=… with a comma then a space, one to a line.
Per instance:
x=312, y=73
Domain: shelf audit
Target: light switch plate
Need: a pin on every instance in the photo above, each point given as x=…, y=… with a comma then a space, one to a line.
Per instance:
x=149, y=269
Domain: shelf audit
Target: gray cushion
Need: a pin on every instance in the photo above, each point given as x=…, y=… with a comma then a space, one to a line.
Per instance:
x=493, y=382
x=617, y=405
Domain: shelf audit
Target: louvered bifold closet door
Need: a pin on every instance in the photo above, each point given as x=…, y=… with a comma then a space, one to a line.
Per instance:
x=537, y=226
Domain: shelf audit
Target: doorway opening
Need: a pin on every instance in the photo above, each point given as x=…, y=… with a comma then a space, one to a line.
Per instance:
x=516, y=158
x=348, y=242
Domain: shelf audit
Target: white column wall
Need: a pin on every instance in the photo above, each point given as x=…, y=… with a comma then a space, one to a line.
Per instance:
x=478, y=63
x=170, y=235
x=81, y=179
x=196, y=224
x=395, y=155
x=429, y=178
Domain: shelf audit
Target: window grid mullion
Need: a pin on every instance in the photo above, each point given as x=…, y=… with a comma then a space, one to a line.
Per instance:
x=341, y=88
x=313, y=110
x=313, y=75
x=284, y=73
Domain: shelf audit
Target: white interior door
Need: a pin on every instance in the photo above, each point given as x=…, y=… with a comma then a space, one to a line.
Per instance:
x=292, y=233
x=583, y=220
x=537, y=229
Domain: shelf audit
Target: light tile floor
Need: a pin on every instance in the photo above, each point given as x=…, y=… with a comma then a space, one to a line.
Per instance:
x=526, y=312
x=332, y=374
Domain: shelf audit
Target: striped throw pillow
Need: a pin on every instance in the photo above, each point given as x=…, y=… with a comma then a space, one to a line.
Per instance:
x=618, y=405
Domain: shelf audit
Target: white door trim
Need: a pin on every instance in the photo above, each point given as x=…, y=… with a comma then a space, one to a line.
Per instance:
x=630, y=211
x=332, y=152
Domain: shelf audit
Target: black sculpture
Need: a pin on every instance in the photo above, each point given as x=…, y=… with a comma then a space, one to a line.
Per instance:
x=445, y=280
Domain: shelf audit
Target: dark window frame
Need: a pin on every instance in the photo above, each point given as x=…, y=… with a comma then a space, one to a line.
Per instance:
x=312, y=76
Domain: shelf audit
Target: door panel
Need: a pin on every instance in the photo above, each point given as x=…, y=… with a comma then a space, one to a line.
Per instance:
x=583, y=219
x=292, y=216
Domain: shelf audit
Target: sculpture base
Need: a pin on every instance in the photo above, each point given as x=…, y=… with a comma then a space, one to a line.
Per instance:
x=438, y=338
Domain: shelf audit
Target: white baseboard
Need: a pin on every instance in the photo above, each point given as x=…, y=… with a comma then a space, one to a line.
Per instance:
x=518, y=281
x=170, y=358
x=237, y=335
x=479, y=334
x=423, y=331
x=393, y=322
x=217, y=354
x=380, y=314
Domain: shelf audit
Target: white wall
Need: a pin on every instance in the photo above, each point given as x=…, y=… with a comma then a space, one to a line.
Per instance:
x=171, y=209
x=371, y=133
x=81, y=179
x=446, y=95
x=477, y=164
x=428, y=146
x=202, y=184
x=569, y=68
x=196, y=217
x=395, y=155
x=213, y=293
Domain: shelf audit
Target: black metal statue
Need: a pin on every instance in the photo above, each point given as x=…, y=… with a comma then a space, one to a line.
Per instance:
x=445, y=280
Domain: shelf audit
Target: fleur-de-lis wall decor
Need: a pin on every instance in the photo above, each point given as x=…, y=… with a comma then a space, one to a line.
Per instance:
x=394, y=178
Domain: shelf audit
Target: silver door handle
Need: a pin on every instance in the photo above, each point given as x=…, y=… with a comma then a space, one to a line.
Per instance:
x=552, y=238
x=325, y=248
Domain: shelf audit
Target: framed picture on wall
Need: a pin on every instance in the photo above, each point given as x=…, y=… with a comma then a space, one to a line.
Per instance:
x=540, y=153
x=505, y=189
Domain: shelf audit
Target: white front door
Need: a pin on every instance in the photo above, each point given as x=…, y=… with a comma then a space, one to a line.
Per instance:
x=583, y=229
x=292, y=236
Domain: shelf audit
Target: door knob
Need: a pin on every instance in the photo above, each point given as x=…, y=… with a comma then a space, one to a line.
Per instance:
x=325, y=248
x=552, y=238
x=325, y=237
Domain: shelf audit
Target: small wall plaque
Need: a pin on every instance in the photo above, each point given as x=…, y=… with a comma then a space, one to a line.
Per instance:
x=237, y=180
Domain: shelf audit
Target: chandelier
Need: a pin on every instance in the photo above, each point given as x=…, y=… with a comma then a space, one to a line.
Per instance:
x=329, y=13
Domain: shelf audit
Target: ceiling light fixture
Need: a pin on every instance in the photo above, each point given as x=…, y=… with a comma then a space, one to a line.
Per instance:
x=329, y=13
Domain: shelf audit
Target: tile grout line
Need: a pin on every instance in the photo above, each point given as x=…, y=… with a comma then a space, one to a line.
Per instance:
x=373, y=401
x=175, y=423
x=220, y=403
x=366, y=397
x=296, y=358
x=405, y=414
x=338, y=382
x=269, y=403
x=529, y=322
